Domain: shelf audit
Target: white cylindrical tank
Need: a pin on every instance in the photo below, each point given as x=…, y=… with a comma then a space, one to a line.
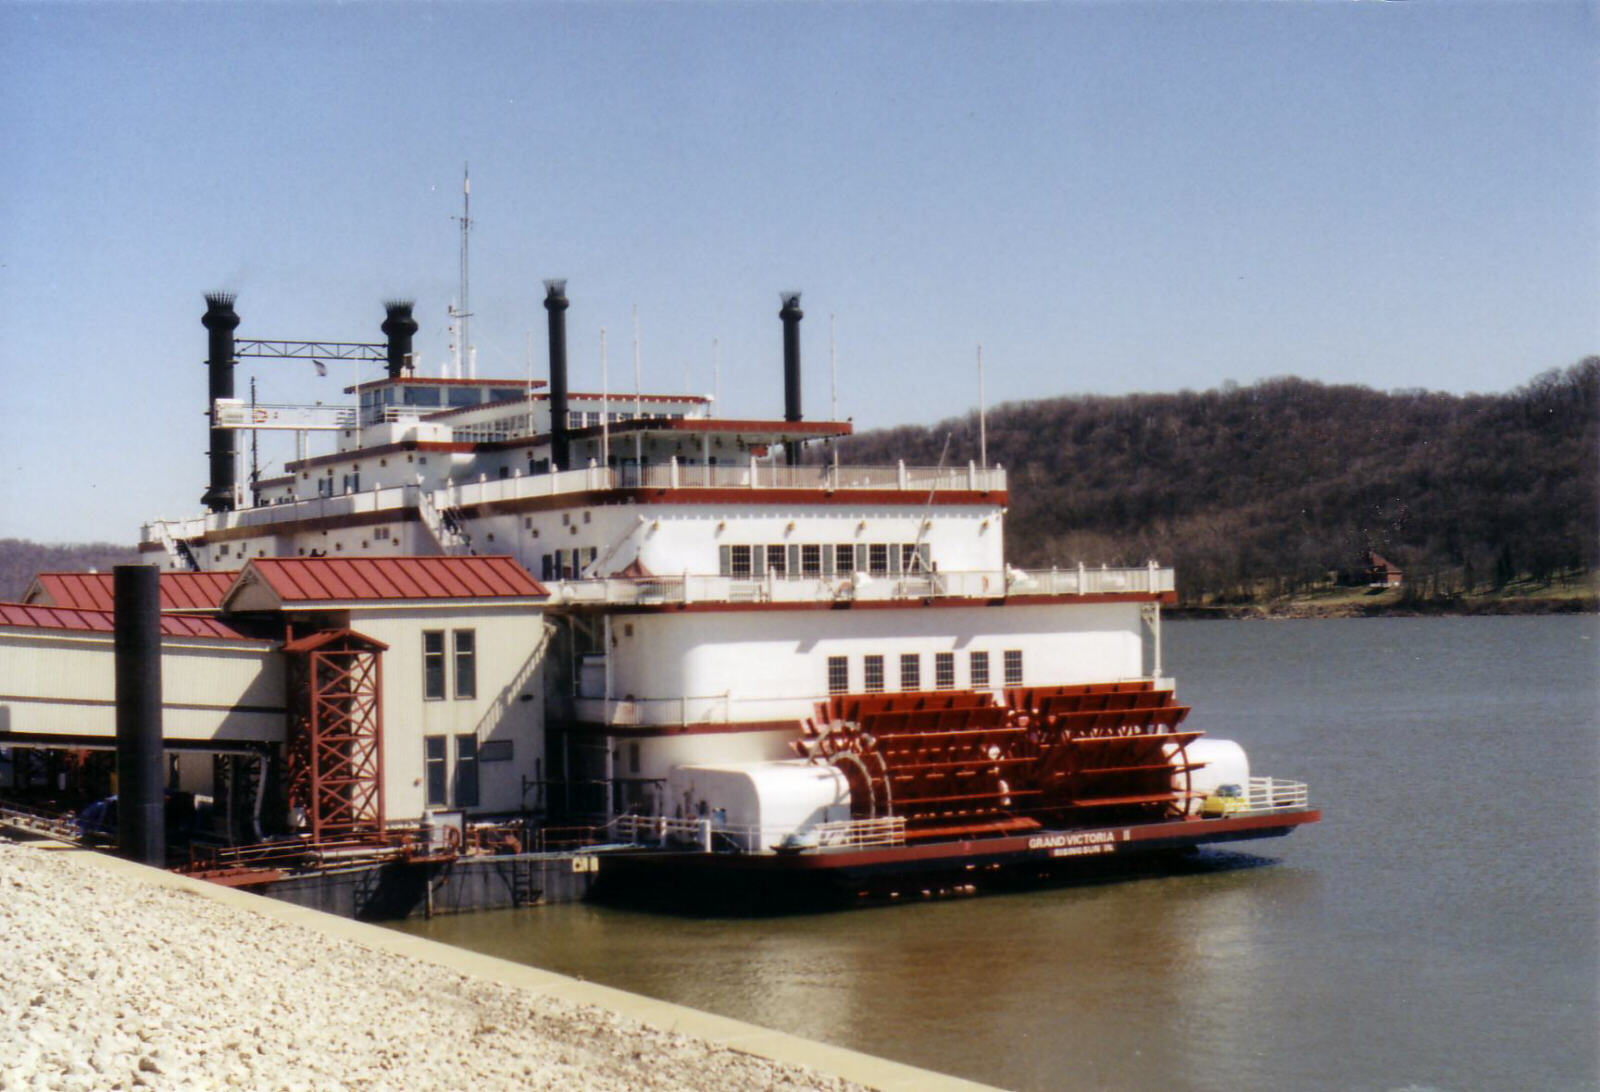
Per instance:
x=1225, y=764
x=758, y=805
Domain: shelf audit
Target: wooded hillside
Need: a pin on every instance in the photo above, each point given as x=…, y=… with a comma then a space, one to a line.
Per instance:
x=1271, y=487
x=1252, y=490
x=21, y=559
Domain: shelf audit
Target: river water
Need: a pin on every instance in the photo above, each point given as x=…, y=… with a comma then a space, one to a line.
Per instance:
x=1438, y=930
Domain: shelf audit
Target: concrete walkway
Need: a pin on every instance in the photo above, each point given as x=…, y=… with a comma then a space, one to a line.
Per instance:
x=721, y=1031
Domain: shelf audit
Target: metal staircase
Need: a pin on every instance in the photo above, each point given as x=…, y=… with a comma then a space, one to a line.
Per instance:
x=178, y=550
x=446, y=526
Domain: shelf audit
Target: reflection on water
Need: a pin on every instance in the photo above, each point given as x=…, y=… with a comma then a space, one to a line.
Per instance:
x=1438, y=929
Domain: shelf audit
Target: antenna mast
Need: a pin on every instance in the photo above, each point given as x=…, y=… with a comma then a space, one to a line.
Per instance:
x=983, y=430
x=833, y=381
x=605, y=404
x=638, y=400
x=466, y=366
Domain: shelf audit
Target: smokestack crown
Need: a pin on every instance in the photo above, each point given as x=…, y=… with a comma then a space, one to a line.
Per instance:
x=220, y=314
x=399, y=326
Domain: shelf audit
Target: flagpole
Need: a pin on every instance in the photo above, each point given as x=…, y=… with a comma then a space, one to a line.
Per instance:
x=983, y=431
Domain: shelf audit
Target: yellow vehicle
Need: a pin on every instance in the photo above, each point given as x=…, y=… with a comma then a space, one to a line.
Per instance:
x=1224, y=800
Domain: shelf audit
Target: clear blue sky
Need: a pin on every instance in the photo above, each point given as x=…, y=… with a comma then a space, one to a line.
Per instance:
x=1107, y=197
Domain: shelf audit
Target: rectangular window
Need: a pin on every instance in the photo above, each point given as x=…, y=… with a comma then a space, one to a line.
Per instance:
x=466, y=663
x=777, y=561
x=838, y=674
x=433, y=664
x=1013, y=667
x=872, y=667
x=844, y=558
x=910, y=671
x=979, y=666
x=467, y=771
x=944, y=670
x=739, y=561
x=878, y=559
x=434, y=764
x=811, y=561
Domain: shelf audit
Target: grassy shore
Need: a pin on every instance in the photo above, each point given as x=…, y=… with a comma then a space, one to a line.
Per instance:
x=1576, y=595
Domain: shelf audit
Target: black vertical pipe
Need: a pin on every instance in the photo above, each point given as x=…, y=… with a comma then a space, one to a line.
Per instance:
x=220, y=320
x=555, y=302
x=791, y=316
x=399, y=326
x=141, y=826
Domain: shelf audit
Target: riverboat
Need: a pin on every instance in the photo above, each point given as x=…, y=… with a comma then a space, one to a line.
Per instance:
x=753, y=660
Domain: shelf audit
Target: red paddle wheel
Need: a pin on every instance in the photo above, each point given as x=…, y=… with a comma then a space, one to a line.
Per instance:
x=955, y=764
x=946, y=761
x=1105, y=753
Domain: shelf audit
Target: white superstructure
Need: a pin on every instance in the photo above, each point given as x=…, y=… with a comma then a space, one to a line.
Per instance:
x=707, y=586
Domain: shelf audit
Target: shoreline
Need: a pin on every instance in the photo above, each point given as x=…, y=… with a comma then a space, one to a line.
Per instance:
x=1278, y=610
x=139, y=978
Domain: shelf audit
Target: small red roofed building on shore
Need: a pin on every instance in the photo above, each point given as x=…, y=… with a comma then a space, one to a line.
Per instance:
x=1378, y=571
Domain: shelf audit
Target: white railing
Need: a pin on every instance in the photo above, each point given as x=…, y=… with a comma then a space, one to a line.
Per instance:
x=709, y=709
x=710, y=836
x=487, y=490
x=1148, y=579
x=1274, y=794
x=758, y=475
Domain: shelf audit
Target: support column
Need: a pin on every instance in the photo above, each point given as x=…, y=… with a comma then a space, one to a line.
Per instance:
x=141, y=818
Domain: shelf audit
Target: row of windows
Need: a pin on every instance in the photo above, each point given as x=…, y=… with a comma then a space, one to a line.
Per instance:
x=585, y=418
x=438, y=780
x=430, y=395
x=465, y=647
x=567, y=564
x=944, y=671
x=824, y=559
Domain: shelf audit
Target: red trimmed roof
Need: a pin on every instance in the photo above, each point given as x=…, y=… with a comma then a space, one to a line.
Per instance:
x=102, y=621
x=318, y=579
x=179, y=591
x=347, y=637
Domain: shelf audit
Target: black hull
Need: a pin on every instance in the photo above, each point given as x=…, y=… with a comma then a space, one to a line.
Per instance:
x=734, y=884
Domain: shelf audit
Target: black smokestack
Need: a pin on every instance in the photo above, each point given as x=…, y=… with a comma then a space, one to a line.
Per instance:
x=220, y=320
x=399, y=327
x=555, y=302
x=791, y=316
x=136, y=602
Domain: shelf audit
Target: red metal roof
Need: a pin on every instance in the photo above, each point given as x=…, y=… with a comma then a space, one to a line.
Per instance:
x=179, y=591
x=316, y=579
x=101, y=621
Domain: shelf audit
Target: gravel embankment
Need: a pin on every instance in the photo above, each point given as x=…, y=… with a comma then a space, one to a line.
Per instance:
x=114, y=984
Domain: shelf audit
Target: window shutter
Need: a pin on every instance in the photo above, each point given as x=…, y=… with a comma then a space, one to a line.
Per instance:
x=725, y=560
